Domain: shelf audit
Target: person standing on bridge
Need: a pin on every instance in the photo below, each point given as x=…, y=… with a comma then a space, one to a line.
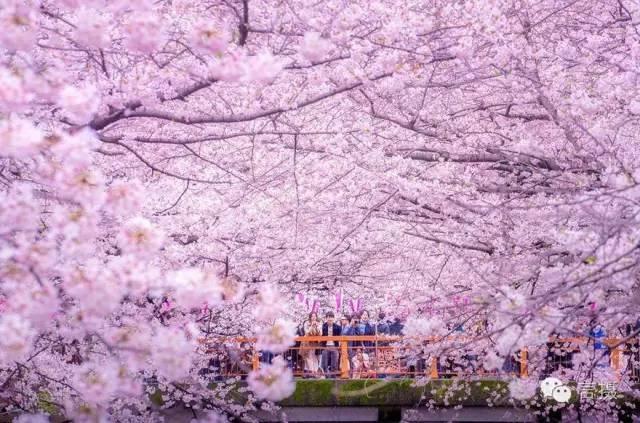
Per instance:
x=344, y=324
x=383, y=325
x=600, y=348
x=384, y=354
x=330, y=363
x=366, y=328
x=396, y=327
x=311, y=327
x=346, y=329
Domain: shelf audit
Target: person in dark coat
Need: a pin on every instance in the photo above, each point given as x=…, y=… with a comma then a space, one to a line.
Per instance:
x=351, y=329
x=384, y=354
x=330, y=364
x=345, y=323
x=383, y=325
x=366, y=328
x=396, y=327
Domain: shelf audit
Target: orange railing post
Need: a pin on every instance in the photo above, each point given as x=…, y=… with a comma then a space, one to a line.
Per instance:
x=433, y=372
x=344, y=360
x=524, y=365
x=615, y=357
x=255, y=360
x=376, y=355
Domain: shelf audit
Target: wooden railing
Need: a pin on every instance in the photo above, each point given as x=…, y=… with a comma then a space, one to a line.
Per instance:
x=389, y=355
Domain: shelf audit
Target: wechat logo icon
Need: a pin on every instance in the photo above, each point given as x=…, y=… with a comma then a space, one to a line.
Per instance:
x=552, y=387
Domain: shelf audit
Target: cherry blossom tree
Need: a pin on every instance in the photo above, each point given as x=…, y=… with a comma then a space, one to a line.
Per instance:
x=177, y=169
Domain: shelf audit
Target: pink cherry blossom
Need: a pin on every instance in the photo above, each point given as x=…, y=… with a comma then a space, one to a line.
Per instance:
x=228, y=68
x=233, y=290
x=125, y=197
x=492, y=361
x=509, y=340
x=92, y=28
x=270, y=304
x=209, y=37
x=16, y=338
x=97, y=381
x=262, y=68
x=32, y=418
x=278, y=337
x=176, y=171
x=272, y=382
x=143, y=33
x=634, y=107
x=139, y=235
x=313, y=47
x=18, y=21
x=14, y=94
x=80, y=103
x=193, y=287
x=211, y=417
x=523, y=389
x=37, y=303
x=172, y=353
x=19, y=137
x=419, y=327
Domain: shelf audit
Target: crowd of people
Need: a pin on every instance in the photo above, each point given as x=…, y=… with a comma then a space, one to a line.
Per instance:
x=323, y=357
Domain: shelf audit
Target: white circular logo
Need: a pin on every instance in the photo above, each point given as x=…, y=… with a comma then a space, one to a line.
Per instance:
x=561, y=393
x=547, y=386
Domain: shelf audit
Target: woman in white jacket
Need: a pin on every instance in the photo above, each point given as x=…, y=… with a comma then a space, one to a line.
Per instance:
x=311, y=327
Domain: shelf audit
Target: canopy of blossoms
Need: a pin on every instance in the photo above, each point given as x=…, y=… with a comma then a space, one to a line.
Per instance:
x=176, y=169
